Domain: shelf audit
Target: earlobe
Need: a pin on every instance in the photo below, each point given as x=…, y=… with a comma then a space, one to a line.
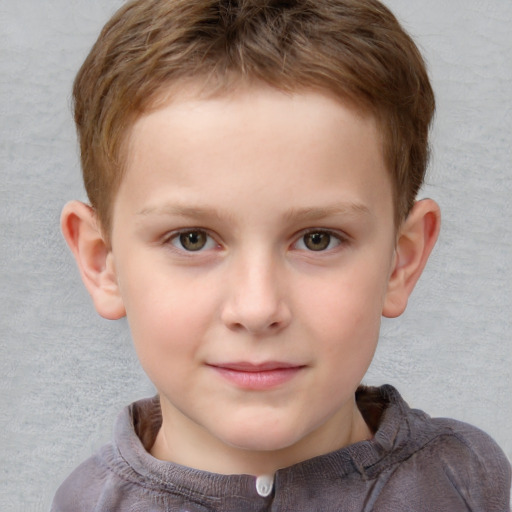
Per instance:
x=416, y=239
x=94, y=258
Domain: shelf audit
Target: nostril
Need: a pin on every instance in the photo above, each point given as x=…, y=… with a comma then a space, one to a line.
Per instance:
x=237, y=326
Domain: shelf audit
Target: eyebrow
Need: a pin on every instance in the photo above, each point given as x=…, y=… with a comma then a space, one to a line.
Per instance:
x=294, y=214
x=318, y=213
x=181, y=210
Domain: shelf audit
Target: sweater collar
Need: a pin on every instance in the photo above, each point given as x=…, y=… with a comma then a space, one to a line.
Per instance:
x=395, y=425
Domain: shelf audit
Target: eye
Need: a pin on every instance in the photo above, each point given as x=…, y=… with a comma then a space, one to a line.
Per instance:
x=318, y=241
x=193, y=241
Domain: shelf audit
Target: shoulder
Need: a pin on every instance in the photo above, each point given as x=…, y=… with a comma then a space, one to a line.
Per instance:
x=114, y=477
x=463, y=464
x=440, y=461
x=473, y=461
x=83, y=488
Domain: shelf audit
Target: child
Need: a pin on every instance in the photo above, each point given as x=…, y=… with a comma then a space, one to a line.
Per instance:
x=252, y=168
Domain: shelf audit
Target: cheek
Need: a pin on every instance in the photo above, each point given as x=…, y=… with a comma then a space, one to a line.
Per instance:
x=345, y=312
x=167, y=316
x=350, y=300
x=165, y=338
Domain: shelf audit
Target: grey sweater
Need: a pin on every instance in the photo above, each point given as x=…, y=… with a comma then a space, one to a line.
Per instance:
x=413, y=463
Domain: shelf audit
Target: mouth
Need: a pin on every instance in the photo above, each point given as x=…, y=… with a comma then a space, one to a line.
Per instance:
x=261, y=376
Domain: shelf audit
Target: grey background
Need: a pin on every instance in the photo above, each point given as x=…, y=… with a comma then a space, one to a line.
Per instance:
x=65, y=373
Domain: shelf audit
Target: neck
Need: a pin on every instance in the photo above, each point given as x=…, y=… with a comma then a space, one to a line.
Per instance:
x=181, y=441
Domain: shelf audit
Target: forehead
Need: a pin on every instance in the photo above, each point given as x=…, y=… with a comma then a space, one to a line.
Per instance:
x=255, y=138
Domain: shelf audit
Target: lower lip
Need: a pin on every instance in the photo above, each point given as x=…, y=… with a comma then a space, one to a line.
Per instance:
x=258, y=380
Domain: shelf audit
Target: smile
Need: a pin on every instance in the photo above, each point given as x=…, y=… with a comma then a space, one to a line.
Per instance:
x=257, y=377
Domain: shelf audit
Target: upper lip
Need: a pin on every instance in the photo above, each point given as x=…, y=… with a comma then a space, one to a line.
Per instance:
x=244, y=366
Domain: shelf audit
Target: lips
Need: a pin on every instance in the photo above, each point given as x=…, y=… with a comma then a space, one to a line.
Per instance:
x=259, y=367
x=260, y=376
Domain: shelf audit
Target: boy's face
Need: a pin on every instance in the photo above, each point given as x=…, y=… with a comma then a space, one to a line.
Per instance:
x=252, y=242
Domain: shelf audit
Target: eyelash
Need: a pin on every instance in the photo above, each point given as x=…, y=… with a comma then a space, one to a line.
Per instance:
x=177, y=242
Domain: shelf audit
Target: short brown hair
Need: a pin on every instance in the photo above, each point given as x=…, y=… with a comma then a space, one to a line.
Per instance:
x=355, y=49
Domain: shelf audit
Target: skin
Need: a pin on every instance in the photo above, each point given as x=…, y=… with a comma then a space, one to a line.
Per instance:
x=249, y=229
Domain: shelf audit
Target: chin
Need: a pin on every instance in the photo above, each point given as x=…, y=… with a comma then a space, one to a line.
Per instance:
x=261, y=438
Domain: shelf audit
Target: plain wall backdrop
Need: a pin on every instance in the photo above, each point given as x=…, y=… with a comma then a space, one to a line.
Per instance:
x=65, y=373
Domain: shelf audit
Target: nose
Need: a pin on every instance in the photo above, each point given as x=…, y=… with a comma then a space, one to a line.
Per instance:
x=256, y=301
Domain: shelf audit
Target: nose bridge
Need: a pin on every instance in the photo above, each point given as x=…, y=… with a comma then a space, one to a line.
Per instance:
x=258, y=279
x=256, y=299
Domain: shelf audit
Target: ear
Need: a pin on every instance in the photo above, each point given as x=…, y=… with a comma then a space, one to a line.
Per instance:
x=95, y=261
x=415, y=241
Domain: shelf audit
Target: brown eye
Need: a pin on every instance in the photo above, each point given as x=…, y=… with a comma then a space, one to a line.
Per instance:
x=317, y=241
x=193, y=240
